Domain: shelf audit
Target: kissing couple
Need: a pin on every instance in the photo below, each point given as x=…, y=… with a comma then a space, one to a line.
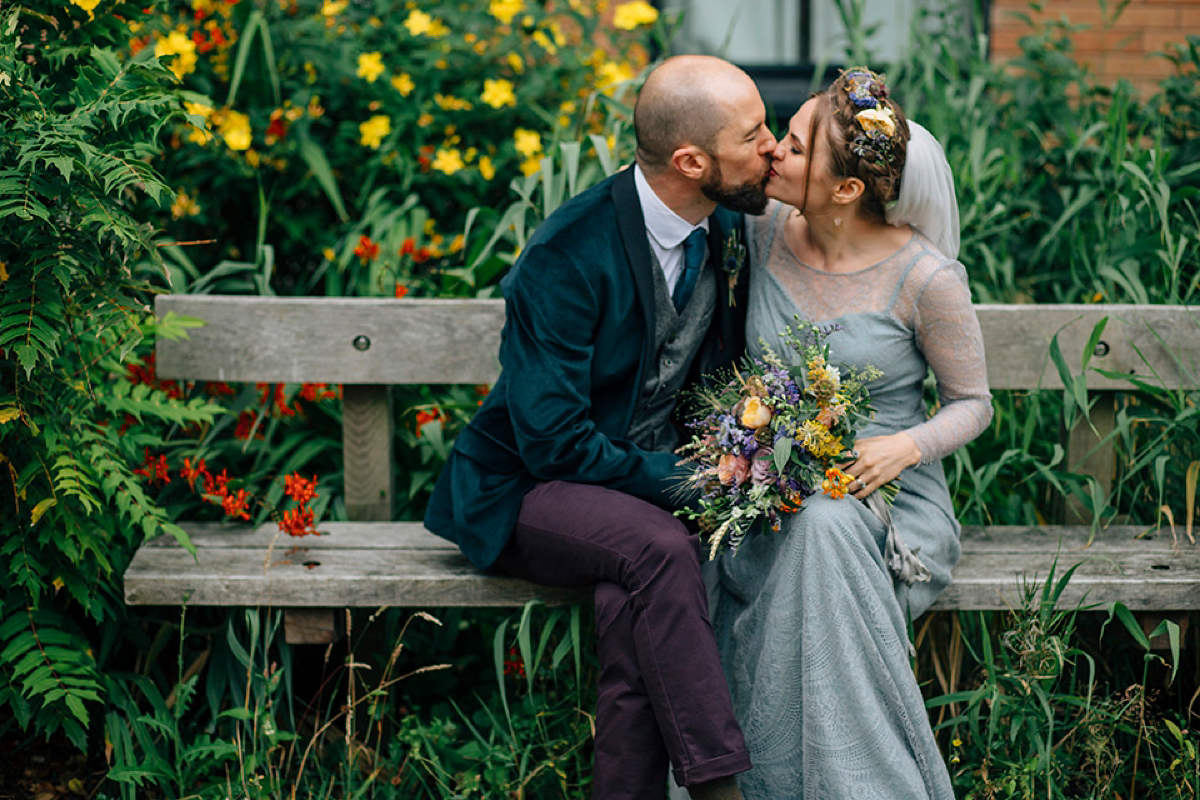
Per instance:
x=782, y=670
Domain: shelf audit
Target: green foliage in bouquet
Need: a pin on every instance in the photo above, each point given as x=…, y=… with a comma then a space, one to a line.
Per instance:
x=79, y=118
x=771, y=435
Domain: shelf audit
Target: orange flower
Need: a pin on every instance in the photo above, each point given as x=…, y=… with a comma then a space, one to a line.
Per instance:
x=154, y=469
x=236, y=506
x=409, y=247
x=401, y=290
x=366, y=250
x=835, y=483
x=421, y=255
x=297, y=522
x=300, y=489
x=189, y=473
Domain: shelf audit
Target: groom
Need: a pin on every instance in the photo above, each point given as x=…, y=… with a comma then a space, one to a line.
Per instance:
x=565, y=477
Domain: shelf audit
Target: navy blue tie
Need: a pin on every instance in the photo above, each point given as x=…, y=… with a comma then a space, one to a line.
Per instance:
x=693, y=260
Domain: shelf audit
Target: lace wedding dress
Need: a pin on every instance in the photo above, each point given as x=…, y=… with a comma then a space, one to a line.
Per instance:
x=811, y=625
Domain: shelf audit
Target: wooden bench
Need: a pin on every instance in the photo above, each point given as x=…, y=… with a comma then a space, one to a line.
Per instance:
x=369, y=344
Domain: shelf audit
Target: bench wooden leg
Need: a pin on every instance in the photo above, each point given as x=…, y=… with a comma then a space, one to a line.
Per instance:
x=1084, y=459
x=312, y=625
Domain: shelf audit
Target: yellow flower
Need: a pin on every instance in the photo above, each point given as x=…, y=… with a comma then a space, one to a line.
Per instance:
x=437, y=28
x=628, y=16
x=755, y=413
x=418, y=22
x=370, y=66
x=184, y=205
x=610, y=74
x=331, y=8
x=425, y=120
x=498, y=93
x=544, y=41
x=177, y=44
x=373, y=130
x=515, y=62
x=528, y=143
x=235, y=129
x=505, y=10
x=877, y=119
x=531, y=165
x=403, y=83
x=486, y=168
x=328, y=254
x=447, y=161
x=817, y=439
x=87, y=5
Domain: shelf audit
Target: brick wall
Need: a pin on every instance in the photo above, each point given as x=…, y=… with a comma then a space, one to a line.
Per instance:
x=1114, y=49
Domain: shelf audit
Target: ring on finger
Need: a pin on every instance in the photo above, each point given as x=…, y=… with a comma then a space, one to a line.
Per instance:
x=861, y=485
x=854, y=454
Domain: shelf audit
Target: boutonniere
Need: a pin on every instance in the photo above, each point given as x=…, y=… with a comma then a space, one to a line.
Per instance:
x=733, y=260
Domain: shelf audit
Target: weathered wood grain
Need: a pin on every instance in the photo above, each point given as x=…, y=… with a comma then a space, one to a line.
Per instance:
x=278, y=339
x=367, y=452
x=313, y=340
x=401, y=564
x=1017, y=340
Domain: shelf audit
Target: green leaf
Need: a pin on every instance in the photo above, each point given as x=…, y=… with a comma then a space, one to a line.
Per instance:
x=782, y=454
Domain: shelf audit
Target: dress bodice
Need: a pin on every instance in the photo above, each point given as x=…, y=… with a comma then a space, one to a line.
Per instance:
x=910, y=312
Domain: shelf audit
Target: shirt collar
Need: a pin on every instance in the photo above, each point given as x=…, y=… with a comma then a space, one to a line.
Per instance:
x=666, y=227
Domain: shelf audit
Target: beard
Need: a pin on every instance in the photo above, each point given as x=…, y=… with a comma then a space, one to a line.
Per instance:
x=747, y=198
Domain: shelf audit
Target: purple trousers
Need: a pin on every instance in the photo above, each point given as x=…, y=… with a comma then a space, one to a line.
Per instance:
x=662, y=696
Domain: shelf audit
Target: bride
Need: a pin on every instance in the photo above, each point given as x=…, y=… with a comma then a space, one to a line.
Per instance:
x=812, y=621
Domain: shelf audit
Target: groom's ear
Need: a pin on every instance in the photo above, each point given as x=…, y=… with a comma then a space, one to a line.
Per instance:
x=691, y=161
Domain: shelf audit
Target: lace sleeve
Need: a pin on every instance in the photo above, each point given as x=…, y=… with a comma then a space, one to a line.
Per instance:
x=948, y=334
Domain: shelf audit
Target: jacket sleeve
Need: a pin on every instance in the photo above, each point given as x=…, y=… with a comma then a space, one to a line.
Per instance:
x=554, y=308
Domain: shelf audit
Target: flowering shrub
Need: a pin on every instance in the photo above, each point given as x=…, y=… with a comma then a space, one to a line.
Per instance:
x=341, y=146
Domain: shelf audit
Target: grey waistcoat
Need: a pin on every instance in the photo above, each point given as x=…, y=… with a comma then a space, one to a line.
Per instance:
x=677, y=340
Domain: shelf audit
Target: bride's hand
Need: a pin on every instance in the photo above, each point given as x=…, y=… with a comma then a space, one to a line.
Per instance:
x=880, y=459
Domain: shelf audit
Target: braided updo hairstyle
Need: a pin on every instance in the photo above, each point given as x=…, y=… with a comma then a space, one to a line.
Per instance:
x=867, y=135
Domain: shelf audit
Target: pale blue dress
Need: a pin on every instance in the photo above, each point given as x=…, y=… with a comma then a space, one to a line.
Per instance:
x=811, y=625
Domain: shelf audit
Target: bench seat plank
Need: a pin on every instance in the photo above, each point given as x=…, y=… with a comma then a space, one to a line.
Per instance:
x=367, y=565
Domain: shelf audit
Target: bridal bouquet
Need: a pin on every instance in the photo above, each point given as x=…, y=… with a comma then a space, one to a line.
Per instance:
x=769, y=436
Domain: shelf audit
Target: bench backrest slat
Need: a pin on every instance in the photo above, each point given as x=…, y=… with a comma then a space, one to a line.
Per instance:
x=312, y=340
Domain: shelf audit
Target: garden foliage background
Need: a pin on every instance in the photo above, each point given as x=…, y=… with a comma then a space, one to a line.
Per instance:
x=379, y=148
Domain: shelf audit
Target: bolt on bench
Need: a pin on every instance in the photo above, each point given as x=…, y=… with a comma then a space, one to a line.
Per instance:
x=369, y=344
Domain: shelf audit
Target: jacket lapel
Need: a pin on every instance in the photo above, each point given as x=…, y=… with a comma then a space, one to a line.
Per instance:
x=632, y=228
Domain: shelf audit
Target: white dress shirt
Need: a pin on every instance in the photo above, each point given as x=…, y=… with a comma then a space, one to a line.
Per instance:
x=666, y=229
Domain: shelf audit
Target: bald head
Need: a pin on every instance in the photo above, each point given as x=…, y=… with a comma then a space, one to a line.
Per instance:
x=685, y=100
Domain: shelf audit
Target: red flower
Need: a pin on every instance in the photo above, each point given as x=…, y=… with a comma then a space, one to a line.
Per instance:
x=277, y=127
x=297, y=522
x=425, y=417
x=421, y=255
x=154, y=469
x=190, y=473
x=401, y=290
x=236, y=506
x=245, y=424
x=217, y=485
x=513, y=665
x=367, y=250
x=299, y=489
x=218, y=388
x=408, y=247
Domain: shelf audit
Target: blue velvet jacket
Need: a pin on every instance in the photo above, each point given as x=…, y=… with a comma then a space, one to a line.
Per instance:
x=577, y=341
